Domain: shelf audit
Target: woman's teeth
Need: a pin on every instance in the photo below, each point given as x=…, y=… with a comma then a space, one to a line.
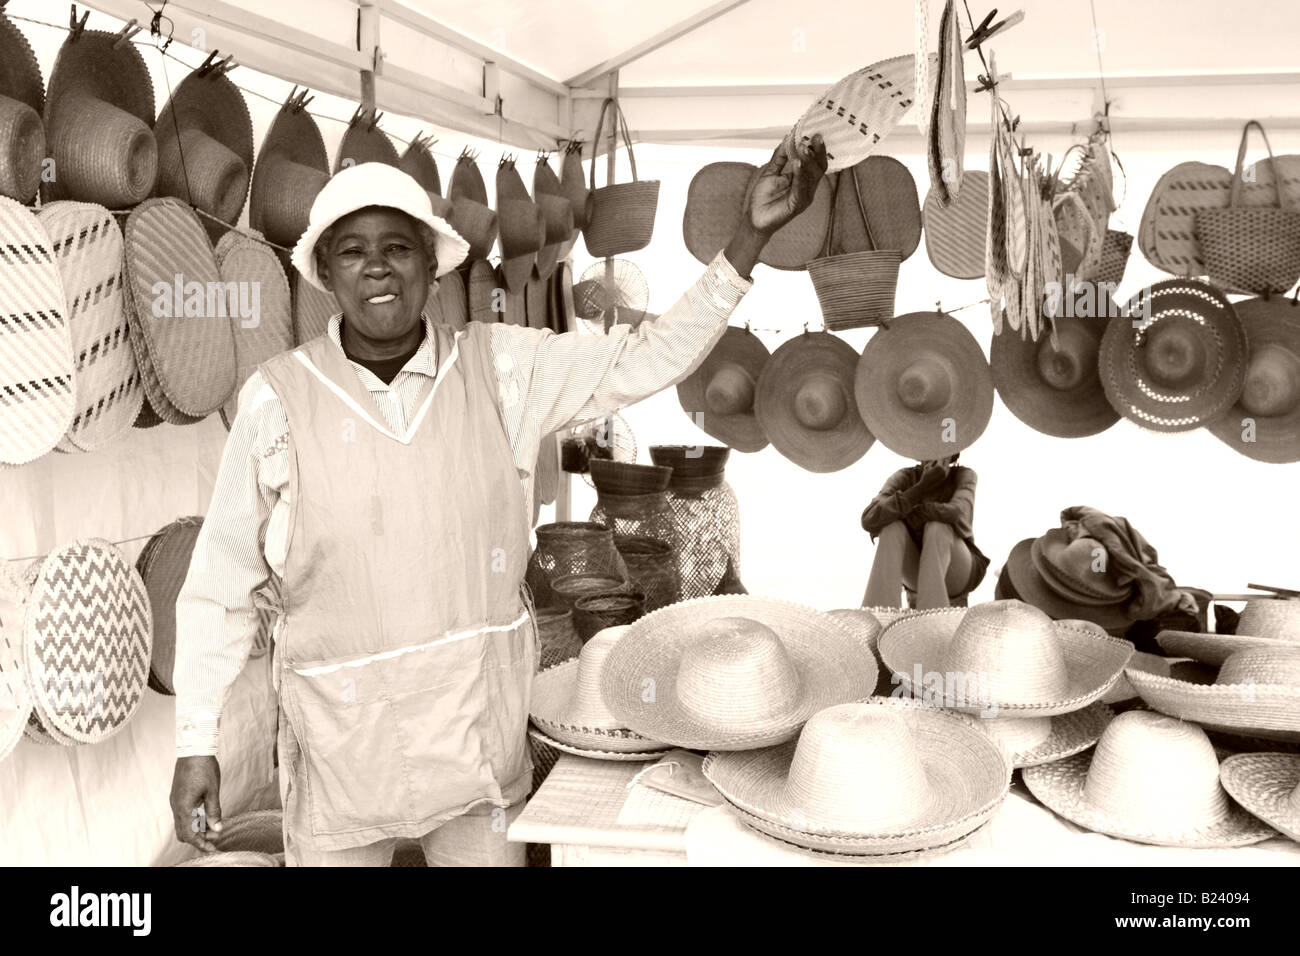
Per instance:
x=381, y=299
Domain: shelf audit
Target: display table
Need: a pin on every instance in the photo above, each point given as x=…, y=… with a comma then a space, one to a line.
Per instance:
x=590, y=816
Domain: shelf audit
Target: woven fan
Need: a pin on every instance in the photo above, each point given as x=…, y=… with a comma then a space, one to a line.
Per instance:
x=603, y=298
x=608, y=437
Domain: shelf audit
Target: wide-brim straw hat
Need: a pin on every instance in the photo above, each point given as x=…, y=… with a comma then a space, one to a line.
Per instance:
x=163, y=564
x=922, y=381
x=719, y=394
x=292, y=168
x=876, y=776
x=205, y=144
x=557, y=210
x=1030, y=741
x=629, y=756
x=1185, y=363
x=418, y=163
x=1023, y=662
x=471, y=215
x=537, y=303
x=523, y=233
x=715, y=203
x=1068, y=566
x=99, y=113
x=733, y=672
x=1034, y=589
x=805, y=403
x=1052, y=385
x=37, y=366
x=250, y=263
x=1262, y=623
x=257, y=831
x=364, y=142
x=1264, y=424
x=1257, y=694
x=22, y=100
x=1267, y=785
x=1151, y=779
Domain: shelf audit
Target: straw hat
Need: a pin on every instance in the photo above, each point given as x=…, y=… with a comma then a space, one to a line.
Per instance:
x=1270, y=397
x=876, y=776
x=719, y=394
x=630, y=756
x=364, y=142
x=1054, y=387
x=98, y=112
x=471, y=216
x=715, y=206
x=1022, y=661
x=956, y=233
x=733, y=672
x=481, y=289
x=205, y=143
x=573, y=183
x=1031, y=741
x=258, y=831
x=244, y=258
x=1257, y=693
x=312, y=310
x=22, y=98
x=1263, y=623
x=1030, y=586
x=163, y=564
x=453, y=300
x=522, y=227
x=418, y=163
x=1268, y=785
x=567, y=706
x=1069, y=567
x=36, y=363
x=557, y=213
x=235, y=858
x=1183, y=366
x=292, y=167
x=804, y=403
x=922, y=380
x=1152, y=779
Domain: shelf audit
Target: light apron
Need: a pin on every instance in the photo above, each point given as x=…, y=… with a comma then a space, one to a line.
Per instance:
x=404, y=650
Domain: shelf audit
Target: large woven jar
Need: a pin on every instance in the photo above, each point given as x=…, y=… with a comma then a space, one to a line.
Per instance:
x=632, y=500
x=706, y=518
x=570, y=547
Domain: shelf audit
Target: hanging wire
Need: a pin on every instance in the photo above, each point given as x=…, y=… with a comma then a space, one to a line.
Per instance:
x=1101, y=73
x=33, y=557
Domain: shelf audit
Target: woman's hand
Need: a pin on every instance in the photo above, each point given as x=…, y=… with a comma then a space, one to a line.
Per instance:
x=779, y=191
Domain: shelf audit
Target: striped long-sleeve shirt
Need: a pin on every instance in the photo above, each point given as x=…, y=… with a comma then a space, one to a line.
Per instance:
x=545, y=381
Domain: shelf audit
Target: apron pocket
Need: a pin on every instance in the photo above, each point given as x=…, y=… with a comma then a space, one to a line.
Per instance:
x=510, y=659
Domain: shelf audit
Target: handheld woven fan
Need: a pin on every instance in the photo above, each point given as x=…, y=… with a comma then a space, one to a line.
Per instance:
x=610, y=293
x=609, y=437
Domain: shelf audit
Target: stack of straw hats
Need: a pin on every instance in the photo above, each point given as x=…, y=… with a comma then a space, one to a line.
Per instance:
x=22, y=99
x=1263, y=623
x=1066, y=579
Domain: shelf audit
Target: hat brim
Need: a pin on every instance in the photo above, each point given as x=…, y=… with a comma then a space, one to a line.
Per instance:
x=1263, y=784
x=1271, y=711
x=890, y=201
x=418, y=163
x=1093, y=662
x=835, y=666
x=1059, y=786
x=1212, y=648
x=631, y=756
x=740, y=431
x=293, y=137
x=213, y=104
x=1045, y=555
x=1070, y=734
x=20, y=71
x=1032, y=589
x=551, y=709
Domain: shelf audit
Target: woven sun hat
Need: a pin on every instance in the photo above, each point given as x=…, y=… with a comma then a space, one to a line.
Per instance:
x=521, y=225
x=15, y=697
x=364, y=142
x=626, y=478
x=1267, y=785
x=1264, y=424
x=471, y=215
x=234, y=858
x=22, y=99
x=205, y=143
x=733, y=672
x=258, y=831
x=798, y=242
x=87, y=248
x=865, y=621
x=1019, y=660
x=566, y=703
x=1053, y=386
x=1262, y=623
x=163, y=564
x=1031, y=587
x=312, y=310
x=557, y=212
x=1185, y=363
x=537, y=302
x=418, y=163
x=1257, y=694
x=871, y=777
x=955, y=234
x=86, y=642
x=453, y=300
x=1030, y=741
x=628, y=756
x=37, y=366
x=98, y=112
x=1151, y=779
x=924, y=387
x=254, y=268
x=292, y=168
x=1070, y=567
x=375, y=184
x=805, y=405
x=481, y=290
x=715, y=204
x=184, y=343
x=719, y=394
x=563, y=314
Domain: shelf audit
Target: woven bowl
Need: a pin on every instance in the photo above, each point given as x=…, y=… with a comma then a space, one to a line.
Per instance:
x=571, y=587
x=595, y=612
x=625, y=478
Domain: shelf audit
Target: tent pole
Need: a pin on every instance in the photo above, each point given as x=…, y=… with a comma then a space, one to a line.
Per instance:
x=368, y=44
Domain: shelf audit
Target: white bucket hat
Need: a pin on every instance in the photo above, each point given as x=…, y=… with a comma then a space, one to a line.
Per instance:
x=375, y=184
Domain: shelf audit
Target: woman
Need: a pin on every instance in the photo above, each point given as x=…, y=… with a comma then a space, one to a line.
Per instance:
x=923, y=517
x=376, y=491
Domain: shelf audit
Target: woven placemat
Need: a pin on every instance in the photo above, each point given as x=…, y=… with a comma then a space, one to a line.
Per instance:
x=253, y=266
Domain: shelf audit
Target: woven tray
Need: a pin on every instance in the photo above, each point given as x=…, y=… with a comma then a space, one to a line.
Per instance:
x=245, y=259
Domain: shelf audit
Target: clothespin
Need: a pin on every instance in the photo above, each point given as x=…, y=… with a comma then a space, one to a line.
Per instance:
x=987, y=30
x=375, y=117
x=206, y=65
x=75, y=28
x=226, y=65
x=125, y=34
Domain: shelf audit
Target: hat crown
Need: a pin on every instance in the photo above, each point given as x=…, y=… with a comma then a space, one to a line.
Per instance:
x=587, y=708
x=1272, y=384
x=736, y=671
x=1157, y=772
x=1271, y=618
x=730, y=390
x=1012, y=651
x=819, y=402
x=1079, y=569
x=1065, y=368
x=1175, y=355
x=925, y=385
x=1262, y=665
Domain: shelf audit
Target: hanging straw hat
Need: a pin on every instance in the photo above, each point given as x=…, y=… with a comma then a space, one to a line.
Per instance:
x=1268, y=785
x=719, y=394
x=1152, y=780
x=522, y=227
x=99, y=111
x=1257, y=693
x=418, y=163
x=1069, y=567
x=364, y=142
x=1022, y=662
x=22, y=99
x=734, y=672
x=1262, y=623
x=715, y=205
x=481, y=289
x=292, y=167
x=1264, y=424
x=163, y=564
x=804, y=403
x=312, y=310
x=36, y=364
x=205, y=143
x=453, y=301
x=566, y=703
x=248, y=262
x=87, y=248
x=557, y=213
x=471, y=216
x=573, y=183
x=922, y=380
x=955, y=234
x=537, y=303
x=873, y=777
x=1054, y=387
x=1030, y=741
x=1185, y=363
x=1030, y=586
x=563, y=313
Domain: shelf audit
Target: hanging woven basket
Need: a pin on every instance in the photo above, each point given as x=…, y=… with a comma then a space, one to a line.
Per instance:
x=620, y=217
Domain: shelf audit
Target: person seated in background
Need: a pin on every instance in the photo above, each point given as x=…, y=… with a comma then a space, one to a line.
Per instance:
x=922, y=523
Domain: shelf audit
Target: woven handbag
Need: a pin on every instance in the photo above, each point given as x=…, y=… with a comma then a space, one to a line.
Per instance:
x=1256, y=249
x=854, y=289
x=620, y=217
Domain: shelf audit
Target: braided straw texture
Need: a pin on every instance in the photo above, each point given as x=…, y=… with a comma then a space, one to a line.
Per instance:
x=216, y=137
x=1253, y=249
x=312, y=310
x=801, y=239
x=1262, y=623
x=596, y=612
x=452, y=301
x=236, y=858
x=631, y=756
x=37, y=397
x=163, y=565
x=559, y=641
x=855, y=289
x=955, y=234
x=251, y=263
x=1114, y=256
x=1268, y=785
x=714, y=207
x=652, y=565
x=1061, y=736
x=23, y=137
x=259, y=831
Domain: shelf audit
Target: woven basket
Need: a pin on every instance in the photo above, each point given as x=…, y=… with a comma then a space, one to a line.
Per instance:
x=572, y=587
x=626, y=478
x=23, y=137
x=598, y=611
x=1256, y=249
x=855, y=289
x=652, y=566
x=570, y=547
x=559, y=641
x=619, y=217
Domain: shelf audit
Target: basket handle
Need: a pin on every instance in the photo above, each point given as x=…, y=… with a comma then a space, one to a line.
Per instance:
x=619, y=121
x=1241, y=159
x=830, y=249
x=866, y=222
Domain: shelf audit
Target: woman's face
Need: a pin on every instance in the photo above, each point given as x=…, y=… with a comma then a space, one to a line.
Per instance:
x=377, y=266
